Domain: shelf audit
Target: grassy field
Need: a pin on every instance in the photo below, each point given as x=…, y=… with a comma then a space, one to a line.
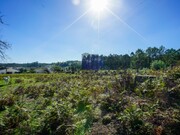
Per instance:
x=92, y=103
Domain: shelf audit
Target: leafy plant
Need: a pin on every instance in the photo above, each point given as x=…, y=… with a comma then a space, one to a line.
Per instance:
x=157, y=65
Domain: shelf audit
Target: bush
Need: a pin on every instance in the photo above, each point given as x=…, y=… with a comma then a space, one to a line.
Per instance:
x=57, y=69
x=157, y=65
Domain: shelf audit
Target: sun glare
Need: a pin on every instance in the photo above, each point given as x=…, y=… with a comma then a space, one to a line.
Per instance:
x=98, y=6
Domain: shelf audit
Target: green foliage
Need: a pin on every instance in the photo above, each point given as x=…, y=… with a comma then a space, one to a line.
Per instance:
x=171, y=57
x=139, y=60
x=132, y=121
x=106, y=120
x=142, y=59
x=57, y=69
x=89, y=102
x=57, y=118
x=115, y=62
x=157, y=65
x=31, y=70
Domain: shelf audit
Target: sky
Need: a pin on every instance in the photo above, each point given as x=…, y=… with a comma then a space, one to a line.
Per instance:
x=60, y=30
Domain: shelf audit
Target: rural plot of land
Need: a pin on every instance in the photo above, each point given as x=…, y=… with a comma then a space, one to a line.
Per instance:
x=88, y=102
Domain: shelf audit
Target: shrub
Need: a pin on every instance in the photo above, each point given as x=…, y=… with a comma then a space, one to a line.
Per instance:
x=18, y=80
x=158, y=64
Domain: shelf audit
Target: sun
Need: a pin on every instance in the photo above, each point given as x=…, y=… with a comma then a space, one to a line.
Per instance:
x=98, y=6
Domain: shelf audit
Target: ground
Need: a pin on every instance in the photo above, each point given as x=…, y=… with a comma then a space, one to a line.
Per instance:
x=89, y=102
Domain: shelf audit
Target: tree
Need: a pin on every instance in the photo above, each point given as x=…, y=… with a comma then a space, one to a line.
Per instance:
x=57, y=69
x=171, y=57
x=139, y=60
x=3, y=44
x=126, y=60
x=155, y=53
x=91, y=61
x=152, y=52
x=158, y=64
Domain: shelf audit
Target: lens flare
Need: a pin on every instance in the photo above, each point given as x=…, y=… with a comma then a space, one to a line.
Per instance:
x=98, y=6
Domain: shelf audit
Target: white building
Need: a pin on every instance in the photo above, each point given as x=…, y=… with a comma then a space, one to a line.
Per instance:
x=9, y=70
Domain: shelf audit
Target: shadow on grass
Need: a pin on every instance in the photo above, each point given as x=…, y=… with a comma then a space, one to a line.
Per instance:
x=1, y=85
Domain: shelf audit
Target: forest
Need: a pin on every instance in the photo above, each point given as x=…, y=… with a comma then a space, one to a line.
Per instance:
x=140, y=59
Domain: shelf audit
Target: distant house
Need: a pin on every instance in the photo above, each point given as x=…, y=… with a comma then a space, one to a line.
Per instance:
x=9, y=70
x=3, y=71
x=91, y=61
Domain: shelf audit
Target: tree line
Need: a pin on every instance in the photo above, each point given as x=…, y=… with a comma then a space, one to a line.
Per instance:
x=152, y=57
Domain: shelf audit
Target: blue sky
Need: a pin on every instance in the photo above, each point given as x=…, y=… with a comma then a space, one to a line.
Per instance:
x=41, y=30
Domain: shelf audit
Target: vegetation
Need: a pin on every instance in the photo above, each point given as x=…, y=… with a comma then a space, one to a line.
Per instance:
x=136, y=94
x=158, y=64
x=92, y=102
x=136, y=60
x=143, y=59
